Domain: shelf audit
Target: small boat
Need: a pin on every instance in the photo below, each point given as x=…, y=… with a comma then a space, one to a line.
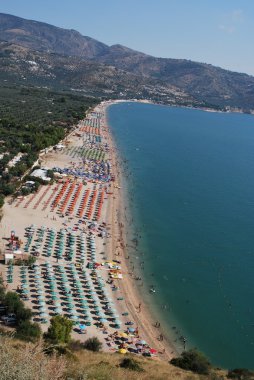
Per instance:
x=152, y=290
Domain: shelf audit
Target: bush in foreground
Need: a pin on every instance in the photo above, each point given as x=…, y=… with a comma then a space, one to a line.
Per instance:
x=194, y=361
x=240, y=374
x=132, y=364
x=93, y=344
x=59, y=330
x=28, y=331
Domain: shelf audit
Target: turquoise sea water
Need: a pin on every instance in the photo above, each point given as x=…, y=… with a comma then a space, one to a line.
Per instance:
x=191, y=188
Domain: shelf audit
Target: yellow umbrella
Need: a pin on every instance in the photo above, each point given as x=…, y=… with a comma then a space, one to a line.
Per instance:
x=122, y=351
x=123, y=334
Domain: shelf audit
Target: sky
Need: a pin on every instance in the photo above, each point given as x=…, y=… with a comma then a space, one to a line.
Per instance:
x=219, y=32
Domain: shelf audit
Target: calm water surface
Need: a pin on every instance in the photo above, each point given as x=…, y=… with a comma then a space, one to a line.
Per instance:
x=192, y=191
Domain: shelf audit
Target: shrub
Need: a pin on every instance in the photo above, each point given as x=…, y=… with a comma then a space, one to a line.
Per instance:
x=28, y=331
x=240, y=374
x=93, y=344
x=1, y=200
x=59, y=330
x=132, y=364
x=75, y=345
x=192, y=360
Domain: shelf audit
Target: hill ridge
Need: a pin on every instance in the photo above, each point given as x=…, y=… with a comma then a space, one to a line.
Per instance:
x=175, y=81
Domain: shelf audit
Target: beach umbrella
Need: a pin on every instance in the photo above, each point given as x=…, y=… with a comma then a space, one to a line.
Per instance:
x=122, y=351
x=25, y=291
x=131, y=329
x=82, y=327
x=58, y=310
x=103, y=320
x=153, y=351
x=141, y=342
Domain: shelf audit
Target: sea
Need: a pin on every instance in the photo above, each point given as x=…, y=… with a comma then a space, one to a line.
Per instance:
x=189, y=178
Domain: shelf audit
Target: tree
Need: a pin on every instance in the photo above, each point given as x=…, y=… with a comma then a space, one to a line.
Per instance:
x=192, y=360
x=59, y=330
x=93, y=344
x=14, y=305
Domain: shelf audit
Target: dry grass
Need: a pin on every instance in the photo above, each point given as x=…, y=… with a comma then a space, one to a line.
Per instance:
x=104, y=366
x=22, y=361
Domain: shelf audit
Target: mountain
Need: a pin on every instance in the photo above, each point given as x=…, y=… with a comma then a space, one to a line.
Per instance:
x=81, y=61
x=47, y=38
x=20, y=65
x=204, y=82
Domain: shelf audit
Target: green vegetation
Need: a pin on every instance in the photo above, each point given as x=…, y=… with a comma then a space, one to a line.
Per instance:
x=131, y=364
x=14, y=305
x=93, y=344
x=28, y=331
x=32, y=119
x=59, y=330
x=25, y=329
x=194, y=361
x=29, y=261
x=240, y=374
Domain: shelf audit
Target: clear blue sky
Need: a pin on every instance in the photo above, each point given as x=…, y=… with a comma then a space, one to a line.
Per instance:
x=219, y=32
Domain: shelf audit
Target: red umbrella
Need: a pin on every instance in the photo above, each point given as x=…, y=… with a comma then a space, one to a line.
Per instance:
x=153, y=351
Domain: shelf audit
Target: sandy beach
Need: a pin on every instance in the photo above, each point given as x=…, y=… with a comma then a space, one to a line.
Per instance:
x=129, y=287
x=76, y=229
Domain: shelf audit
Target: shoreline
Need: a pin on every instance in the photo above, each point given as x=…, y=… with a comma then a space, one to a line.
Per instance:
x=143, y=316
x=19, y=214
x=204, y=109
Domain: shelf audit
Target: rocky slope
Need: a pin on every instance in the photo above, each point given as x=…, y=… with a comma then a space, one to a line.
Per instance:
x=88, y=64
